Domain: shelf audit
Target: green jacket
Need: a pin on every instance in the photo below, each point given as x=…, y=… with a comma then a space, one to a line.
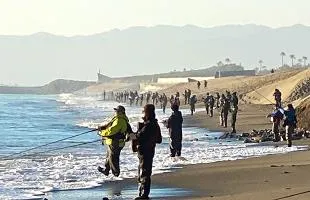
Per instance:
x=117, y=125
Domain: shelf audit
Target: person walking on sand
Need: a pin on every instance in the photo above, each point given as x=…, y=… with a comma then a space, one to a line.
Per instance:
x=206, y=101
x=224, y=109
x=234, y=111
x=148, y=136
x=198, y=85
x=113, y=135
x=290, y=123
x=193, y=101
x=211, y=105
x=165, y=102
x=185, y=97
x=174, y=125
x=189, y=93
x=205, y=83
x=217, y=99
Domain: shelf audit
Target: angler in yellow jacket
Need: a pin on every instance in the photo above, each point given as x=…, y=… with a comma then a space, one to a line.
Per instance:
x=114, y=135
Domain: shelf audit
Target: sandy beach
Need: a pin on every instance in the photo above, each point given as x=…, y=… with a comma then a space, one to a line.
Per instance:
x=272, y=177
x=250, y=116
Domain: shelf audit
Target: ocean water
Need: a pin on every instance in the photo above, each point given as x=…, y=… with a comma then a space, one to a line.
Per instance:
x=27, y=121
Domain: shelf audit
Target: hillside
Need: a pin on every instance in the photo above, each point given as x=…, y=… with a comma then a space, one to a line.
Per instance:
x=144, y=50
x=255, y=90
x=303, y=114
x=56, y=87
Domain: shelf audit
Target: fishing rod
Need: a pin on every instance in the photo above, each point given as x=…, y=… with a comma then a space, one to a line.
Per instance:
x=47, y=144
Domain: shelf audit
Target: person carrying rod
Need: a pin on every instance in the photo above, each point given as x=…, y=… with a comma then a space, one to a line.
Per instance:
x=114, y=135
x=147, y=136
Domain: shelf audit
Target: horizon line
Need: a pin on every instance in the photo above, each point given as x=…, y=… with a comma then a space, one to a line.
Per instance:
x=151, y=26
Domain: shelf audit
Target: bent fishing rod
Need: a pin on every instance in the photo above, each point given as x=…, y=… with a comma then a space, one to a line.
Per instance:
x=47, y=144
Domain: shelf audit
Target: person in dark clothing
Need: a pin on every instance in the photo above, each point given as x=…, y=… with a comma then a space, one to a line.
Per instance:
x=217, y=98
x=206, y=83
x=189, y=93
x=211, y=105
x=224, y=109
x=206, y=101
x=165, y=102
x=290, y=123
x=277, y=97
x=234, y=111
x=104, y=95
x=193, y=101
x=185, y=97
x=141, y=99
x=148, y=135
x=175, y=131
x=276, y=117
x=198, y=85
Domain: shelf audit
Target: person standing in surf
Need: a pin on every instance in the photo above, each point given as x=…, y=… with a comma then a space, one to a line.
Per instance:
x=148, y=136
x=114, y=135
x=175, y=131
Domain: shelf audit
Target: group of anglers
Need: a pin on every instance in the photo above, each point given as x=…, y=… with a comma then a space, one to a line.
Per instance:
x=287, y=116
x=223, y=103
x=144, y=140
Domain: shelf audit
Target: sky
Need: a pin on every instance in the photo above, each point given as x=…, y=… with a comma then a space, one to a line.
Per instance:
x=87, y=17
x=84, y=17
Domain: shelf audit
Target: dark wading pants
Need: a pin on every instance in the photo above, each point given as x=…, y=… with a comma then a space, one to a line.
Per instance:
x=145, y=171
x=233, y=120
x=211, y=111
x=112, y=159
x=207, y=108
x=192, y=109
x=289, y=129
x=223, y=118
x=275, y=130
x=175, y=147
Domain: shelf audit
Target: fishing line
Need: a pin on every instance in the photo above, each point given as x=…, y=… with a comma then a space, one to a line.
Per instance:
x=60, y=148
x=255, y=90
x=47, y=144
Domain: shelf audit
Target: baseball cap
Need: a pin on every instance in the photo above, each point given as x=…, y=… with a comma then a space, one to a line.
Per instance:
x=120, y=109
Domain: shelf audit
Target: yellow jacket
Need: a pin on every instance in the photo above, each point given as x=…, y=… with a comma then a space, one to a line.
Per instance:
x=117, y=125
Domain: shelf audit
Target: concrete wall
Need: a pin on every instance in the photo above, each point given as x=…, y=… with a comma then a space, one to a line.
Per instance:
x=181, y=80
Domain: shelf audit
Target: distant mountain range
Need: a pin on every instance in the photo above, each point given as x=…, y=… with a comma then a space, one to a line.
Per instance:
x=39, y=58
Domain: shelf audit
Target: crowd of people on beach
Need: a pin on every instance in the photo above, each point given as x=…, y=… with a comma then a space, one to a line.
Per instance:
x=144, y=140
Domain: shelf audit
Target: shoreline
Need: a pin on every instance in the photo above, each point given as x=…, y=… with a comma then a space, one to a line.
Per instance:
x=196, y=178
x=277, y=175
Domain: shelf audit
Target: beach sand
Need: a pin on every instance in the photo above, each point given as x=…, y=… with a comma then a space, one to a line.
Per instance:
x=250, y=116
x=272, y=177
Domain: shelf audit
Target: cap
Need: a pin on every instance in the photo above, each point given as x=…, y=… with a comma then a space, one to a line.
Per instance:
x=120, y=109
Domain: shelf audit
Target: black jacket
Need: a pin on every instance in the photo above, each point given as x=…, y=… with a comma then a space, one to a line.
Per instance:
x=149, y=135
x=175, y=125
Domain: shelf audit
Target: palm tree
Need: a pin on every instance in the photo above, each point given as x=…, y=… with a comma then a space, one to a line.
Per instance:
x=292, y=56
x=305, y=60
x=300, y=61
x=260, y=64
x=282, y=54
x=227, y=60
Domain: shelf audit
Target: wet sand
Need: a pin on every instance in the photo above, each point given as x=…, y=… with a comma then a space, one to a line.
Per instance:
x=250, y=116
x=272, y=177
